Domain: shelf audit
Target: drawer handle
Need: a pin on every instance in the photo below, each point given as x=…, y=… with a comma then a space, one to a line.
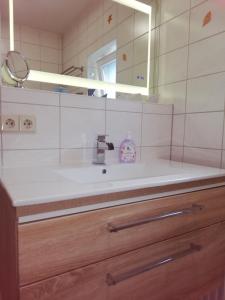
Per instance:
x=195, y=207
x=113, y=280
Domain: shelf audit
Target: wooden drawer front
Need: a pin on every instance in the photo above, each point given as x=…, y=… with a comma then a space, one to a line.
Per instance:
x=59, y=245
x=169, y=270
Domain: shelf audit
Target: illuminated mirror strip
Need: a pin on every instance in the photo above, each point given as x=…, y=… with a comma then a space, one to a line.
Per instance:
x=53, y=78
x=137, y=5
x=11, y=25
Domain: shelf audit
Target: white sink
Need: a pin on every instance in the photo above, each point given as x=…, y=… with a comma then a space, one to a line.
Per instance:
x=118, y=172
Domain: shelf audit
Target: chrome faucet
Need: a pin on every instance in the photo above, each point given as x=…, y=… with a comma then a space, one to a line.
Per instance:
x=101, y=147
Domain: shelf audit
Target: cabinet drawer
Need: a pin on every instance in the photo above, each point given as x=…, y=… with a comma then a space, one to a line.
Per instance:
x=171, y=269
x=50, y=247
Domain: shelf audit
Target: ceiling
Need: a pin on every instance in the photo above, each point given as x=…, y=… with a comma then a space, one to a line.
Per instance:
x=51, y=15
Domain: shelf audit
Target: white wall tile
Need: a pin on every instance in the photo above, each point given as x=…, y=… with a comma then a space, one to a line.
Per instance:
x=223, y=160
x=141, y=49
x=178, y=130
x=197, y=29
x=174, y=94
x=141, y=23
x=156, y=130
x=152, y=108
x=173, y=66
x=21, y=158
x=29, y=96
x=50, y=39
x=173, y=8
x=78, y=101
x=30, y=35
x=206, y=157
x=74, y=156
x=80, y=124
x=204, y=130
x=177, y=154
x=206, y=93
x=50, y=55
x=174, y=34
x=150, y=153
x=125, y=32
x=119, y=124
x=206, y=58
x=47, y=132
x=31, y=51
x=124, y=105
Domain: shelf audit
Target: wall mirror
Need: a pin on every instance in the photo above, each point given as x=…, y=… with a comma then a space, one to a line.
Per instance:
x=95, y=47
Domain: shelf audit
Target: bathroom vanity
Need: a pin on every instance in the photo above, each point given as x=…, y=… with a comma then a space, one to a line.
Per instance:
x=152, y=237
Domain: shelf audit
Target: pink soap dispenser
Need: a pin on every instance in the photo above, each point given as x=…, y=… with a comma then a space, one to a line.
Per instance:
x=127, y=152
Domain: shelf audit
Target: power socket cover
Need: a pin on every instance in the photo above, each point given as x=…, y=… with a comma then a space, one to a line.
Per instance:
x=10, y=123
x=27, y=123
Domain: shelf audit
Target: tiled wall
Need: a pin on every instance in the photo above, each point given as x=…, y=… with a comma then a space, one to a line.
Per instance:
x=42, y=49
x=192, y=76
x=67, y=126
x=93, y=30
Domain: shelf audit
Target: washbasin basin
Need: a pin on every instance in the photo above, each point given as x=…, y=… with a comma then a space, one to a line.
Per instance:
x=117, y=172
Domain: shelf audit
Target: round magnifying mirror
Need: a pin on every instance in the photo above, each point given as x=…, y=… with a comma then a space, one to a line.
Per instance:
x=15, y=69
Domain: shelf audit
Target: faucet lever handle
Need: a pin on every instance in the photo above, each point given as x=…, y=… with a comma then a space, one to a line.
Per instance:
x=110, y=146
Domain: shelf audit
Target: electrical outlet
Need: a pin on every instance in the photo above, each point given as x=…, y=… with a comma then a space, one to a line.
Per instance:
x=27, y=123
x=10, y=123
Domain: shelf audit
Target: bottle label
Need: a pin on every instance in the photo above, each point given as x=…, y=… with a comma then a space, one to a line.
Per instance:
x=127, y=152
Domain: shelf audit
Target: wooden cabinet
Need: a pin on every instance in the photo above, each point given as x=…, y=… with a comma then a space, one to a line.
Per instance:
x=67, y=243
x=170, y=248
x=168, y=270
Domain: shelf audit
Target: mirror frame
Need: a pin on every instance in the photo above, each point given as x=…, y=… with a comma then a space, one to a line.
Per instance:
x=53, y=78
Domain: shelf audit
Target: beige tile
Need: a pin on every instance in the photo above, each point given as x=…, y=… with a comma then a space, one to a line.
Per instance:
x=125, y=57
x=140, y=75
x=110, y=18
x=123, y=12
x=141, y=49
x=125, y=77
x=141, y=24
x=125, y=31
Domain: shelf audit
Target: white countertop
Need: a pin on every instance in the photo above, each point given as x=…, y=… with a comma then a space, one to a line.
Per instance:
x=38, y=185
